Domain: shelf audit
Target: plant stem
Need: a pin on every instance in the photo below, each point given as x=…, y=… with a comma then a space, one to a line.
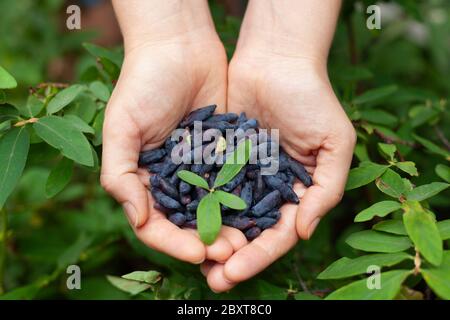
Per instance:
x=3, y=235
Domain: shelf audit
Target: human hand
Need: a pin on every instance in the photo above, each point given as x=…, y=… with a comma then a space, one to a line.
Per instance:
x=161, y=79
x=291, y=92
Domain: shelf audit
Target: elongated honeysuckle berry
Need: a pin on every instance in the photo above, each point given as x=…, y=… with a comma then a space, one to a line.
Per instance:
x=265, y=222
x=151, y=156
x=193, y=205
x=241, y=119
x=300, y=172
x=192, y=224
x=156, y=167
x=237, y=180
x=198, y=115
x=247, y=195
x=186, y=199
x=227, y=117
x=184, y=187
x=286, y=191
x=275, y=214
x=165, y=186
x=238, y=222
x=177, y=218
x=259, y=187
x=165, y=200
x=252, y=233
x=266, y=204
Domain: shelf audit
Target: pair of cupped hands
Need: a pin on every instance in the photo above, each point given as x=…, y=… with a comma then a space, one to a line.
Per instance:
x=162, y=81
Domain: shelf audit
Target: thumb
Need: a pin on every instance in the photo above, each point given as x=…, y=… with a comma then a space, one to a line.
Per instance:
x=121, y=146
x=332, y=165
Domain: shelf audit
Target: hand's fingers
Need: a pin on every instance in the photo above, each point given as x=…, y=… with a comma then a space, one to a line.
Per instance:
x=264, y=250
x=330, y=175
x=220, y=250
x=162, y=235
x=206, y=266
x=234, y=236
x=121, y=146
x=144, y=176
x=216, y=279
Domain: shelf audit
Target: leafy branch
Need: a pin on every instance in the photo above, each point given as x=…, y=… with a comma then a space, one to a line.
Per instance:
x=209, y=219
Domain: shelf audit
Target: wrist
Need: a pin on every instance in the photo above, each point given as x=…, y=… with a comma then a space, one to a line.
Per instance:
x=295, y=29
x=153, y=22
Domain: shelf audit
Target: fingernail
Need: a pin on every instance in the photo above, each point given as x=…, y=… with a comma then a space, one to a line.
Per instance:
x=313, y=227
x=131, y=213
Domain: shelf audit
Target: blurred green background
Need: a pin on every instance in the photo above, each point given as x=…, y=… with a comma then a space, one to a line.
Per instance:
x=84, y=226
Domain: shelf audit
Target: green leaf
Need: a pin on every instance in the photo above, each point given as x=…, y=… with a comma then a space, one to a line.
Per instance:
x=209, y=220
x=150, y=277
x=72, y=254
x=380, y=209
x=79, y=124
x=379, y=117
x=60, y=134
x=373, y=241
x=193, y=179
x=408, y=167
x=14, y=146
x=7, y=81
x=101, y=52
x=443, y=172
x=444, y=229
x=32, y=108
x=432, y=147
x=98, y=126
x=390, y=282
x=423, y=231
x=391, y=184
x=59, y=177
x=426, y=191
x=387, y=150
x=391, y=226
x=64, y=97
x=230, y=200
x=83, y=106
x=100, y=90
x=130, y=286
x=345, y=267
x=438, y=278
x=375, y=94
x=234, y=163
x=364, y=174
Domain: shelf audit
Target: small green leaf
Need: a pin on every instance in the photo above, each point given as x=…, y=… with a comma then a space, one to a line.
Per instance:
x=390, y=282
x=432, y=147
x=379, y=117
x=130, y=286
x=373, y=241
x=7, y=81
x=364, y=174
x=444, y=229
x=230, y=200
x=345, y=267
x=72, y=254
x=375, y=94
x=234, y=163
x=426, y=191
x=32, y=108
x=209, y=220
x=380, y=209
x=101, y=52
x=59, y=177
x=438, y=278
x=60, y=134
x=150, y=277
x=408, y=167
x=100, y=90
x=443, y=172
x=79, y=124
x=391, y=226
x=98, y=125
x=391, y=184
x=193, y=179
x=83, y=106
x=423, y=231
x=387, y=150
x=14, y=146
x=64, y=97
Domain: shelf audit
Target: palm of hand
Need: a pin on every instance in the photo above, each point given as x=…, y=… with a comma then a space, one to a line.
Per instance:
x=297, y=100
